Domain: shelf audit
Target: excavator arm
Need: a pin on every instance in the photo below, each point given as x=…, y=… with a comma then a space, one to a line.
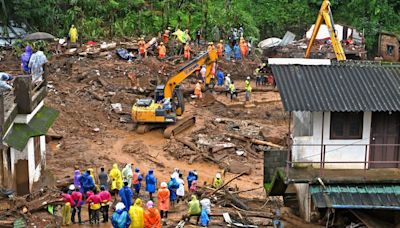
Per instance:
x=325, y=14
x=207, y=58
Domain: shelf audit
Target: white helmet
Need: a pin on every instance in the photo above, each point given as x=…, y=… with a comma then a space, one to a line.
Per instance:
x=248, y=78
x=218, y=176
x=71, y=187
x=228, y=75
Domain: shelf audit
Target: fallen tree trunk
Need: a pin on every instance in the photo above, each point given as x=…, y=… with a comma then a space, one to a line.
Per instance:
x=254, y=141
x=226, y=183
x=237, y=202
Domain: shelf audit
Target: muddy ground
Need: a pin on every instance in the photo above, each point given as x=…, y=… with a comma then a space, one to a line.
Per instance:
x=94, y=134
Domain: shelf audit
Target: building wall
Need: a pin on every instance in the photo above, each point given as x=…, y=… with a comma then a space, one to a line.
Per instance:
x=304, y=199
x=336, y=151
x=384, y=41
x=29, y=154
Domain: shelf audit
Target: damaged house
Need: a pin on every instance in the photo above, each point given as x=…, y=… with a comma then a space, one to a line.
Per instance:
x=389, y=47
x=344, y=156
x=24, y=122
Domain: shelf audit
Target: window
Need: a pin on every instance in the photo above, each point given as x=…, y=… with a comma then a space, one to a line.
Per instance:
x=389, y=49
x=302, y=124
x=346, y=125
x=36, y=150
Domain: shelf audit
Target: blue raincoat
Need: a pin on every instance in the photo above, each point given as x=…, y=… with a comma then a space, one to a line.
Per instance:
x=190, y=178
x=151, y=182
x=173, y=185
x=220, y=78
x=204, y=219
x=87, y=182
x=126, y=195
x=120, y=219
x=139, y=179
x=228, y=52
x=25, y=57
x=236, y=50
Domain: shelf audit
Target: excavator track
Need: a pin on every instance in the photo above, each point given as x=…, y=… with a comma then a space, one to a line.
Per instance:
x=179, y=126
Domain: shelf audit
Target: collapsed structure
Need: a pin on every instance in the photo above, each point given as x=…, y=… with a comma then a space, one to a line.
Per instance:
x=345, y=150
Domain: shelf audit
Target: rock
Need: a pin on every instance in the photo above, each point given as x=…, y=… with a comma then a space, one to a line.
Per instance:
x=238, y=167
x=117, y=107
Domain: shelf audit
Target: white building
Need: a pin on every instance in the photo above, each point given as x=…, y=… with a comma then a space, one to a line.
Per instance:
x=345, y=131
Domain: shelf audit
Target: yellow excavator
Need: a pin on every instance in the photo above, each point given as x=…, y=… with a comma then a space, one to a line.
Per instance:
x=325, y=13
x=168, y=102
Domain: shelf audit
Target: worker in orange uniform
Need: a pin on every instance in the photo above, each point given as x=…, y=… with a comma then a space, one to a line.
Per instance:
x=163, y=200
x=142, y=47
x=197, y=90
x=187, y=50
x=162, y=51
x=243, y=47
x=220, y=48
x=210, y=46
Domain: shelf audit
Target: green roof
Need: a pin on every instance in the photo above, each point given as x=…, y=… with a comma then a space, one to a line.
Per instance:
x=40, y=123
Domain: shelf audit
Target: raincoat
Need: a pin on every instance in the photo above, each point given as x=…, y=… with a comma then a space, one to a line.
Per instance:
x=120, y=219
x=126, y=195
x=193, y=187
x=152, y=218
x=206, y=205
x=220, y=49
x=194, y=206
x=163, y=199
x=190, y=178
x=162, y=51
x=87, y=182
x=181, y=190
x=36, y=65
x=236, y=51
x=228, y=52
x=77, y=176
x=243, y=48
x=73, y=34
x=151, y=182
x=116, y=177
x=204, y=219
x=136, y=180
x=173, y=185
x=25, y=57
x=220, y=78
x=92, y=175
x=217, y=182
x=127, y=174
x=136, y=213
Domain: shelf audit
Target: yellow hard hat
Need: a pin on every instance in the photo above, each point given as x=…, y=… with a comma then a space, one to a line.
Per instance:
x=162, y=43
x=221, y=41
x=211, y=42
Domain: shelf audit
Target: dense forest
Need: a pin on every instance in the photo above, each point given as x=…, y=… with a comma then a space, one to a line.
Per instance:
x=260, y=18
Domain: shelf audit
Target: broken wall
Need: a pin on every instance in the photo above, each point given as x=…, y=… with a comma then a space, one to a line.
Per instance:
x=388, y=47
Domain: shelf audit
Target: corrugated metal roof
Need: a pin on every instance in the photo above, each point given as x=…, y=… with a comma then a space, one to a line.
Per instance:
x=361, y=196
x=338, y=88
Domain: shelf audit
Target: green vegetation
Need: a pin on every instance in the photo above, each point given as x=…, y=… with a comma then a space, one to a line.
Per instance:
x=260, y=18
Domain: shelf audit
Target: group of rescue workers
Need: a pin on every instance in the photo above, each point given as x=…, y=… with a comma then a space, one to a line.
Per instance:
x=126, y=187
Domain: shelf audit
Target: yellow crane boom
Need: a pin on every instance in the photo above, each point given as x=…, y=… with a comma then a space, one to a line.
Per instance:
x=325, y=14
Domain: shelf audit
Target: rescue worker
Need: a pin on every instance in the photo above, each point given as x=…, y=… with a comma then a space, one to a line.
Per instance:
x=236, y=51
x=227, y=52
x=186, y=51
x=258, y=76
x=194, y=209
x=77, y=206
x=232, y=90
x=173, y=186
x=25, y=57
x=217, y=181
x=4, y=78
x=193, y=187
x=162, y=51
x=77, y=177
x=203, y=72
x=187, y=35
x=66, y=209
x=36, y=62
x=73, y=35
x=126, y=195
x=163, y=200
x=220, y=78
x=87, y=182
x=247, y=88
x=243, y=47
x=205, y=211
x=136, y=181
x=127, y=174
x=165, y=36
x=197, y=90
x=220, y=48
x=120, y=218
x=190, y=178
x=211, y=46
x=152, y=217
x=91, y=172
x=105, y=198
x=103, y=178
x=180, y=192
x=142, y=48
x=116, y=177
x=151, y=183
x=95, y=205
x=136, y=213
x=227, y=84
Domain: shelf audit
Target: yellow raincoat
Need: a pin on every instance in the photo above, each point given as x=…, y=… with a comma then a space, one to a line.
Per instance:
x=73, y=34
x=116, y=176
x=136, y=213
x=92, y=175
x=194, y=206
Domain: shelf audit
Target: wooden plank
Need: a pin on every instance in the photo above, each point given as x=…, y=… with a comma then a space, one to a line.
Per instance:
x=23, y=94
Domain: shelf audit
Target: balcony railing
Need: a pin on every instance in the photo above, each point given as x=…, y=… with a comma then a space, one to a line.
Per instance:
x=366, y=163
